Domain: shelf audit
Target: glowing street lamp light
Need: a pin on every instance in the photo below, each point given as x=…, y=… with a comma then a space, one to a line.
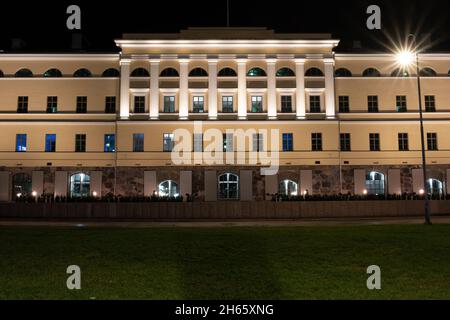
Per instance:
x=406, y=58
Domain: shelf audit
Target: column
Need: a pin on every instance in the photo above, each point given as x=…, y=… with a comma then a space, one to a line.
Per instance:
x=359, y=177
x=184, y=90
x=125, y=88
x=154, y=89
x=242, y=89
x=185, y=183
x=212, y=89
x=246, y=185
x=394, y=181
x=300, y=88
x=329, y=88
x=306, y=182
x=271, y=89
x=271, y=185
x=37, y=182
x=417, y=177
x=4, y=186
x=96, y=183
x=149, y=183
x=61, y=183
x=210, y=185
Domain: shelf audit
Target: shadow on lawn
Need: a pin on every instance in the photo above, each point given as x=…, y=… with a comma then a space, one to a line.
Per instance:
x=225, y=265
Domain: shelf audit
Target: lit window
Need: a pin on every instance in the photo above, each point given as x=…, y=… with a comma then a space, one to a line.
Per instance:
x=227, y=142
x=375, y=183
x=169, y=104
x=288, y=188
x=80, y=185
x=288, y=142
x=257, y=104
x=50, y=142
x=110, y=143
x=169, y=189
x=168, y=142
x=198, y=104
x=228, y=186
x=198, y=142
x=21, y=143
x=138, y=142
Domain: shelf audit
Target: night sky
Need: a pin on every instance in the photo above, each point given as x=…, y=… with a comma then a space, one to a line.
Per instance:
x=42, y=24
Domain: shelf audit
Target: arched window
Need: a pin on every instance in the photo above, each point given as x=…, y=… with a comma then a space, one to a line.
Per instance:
x=371, y=72
x=24, y=73
x=435, y=187
x=288, y=188
x=169, y=72
x=140, y=72
x=256, y=72
x=400, y=72
x=375, y=183
x=169, y=189
x=343, y=72
x=427, y=72
x=1, y=74
x=21, y=186
x=198, y=72
x=228, y=186
x=80, y=185
x=285, y=72
x=314, y=72
x=111, y=73
x=82, y=73
x=53, y=73
x=227, y=72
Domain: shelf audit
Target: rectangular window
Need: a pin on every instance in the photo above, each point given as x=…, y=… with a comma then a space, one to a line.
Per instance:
x=432, y=141
x=169, y=104
x=344, y=104
x=138, y=142
x=257, y=104
x=372, y=103
x=198, y=105
x=430, y=104
x=227, y=104
x=52, y=104
x=288, y=142
x=314, y=104
x=50, y=142
x=110, y=105
x=80, y=143
x=403, y=142
x=401, y=103
x=110, y=143
x=21, y=143
x=345, y=142
x=198, y=142
x=168, y=142
x=374, y=141
x=286, y=104
x=81, y=104
x=22, y=104
x=316, y=141
x=258, y=142
x=227, y=142
x=139, y=104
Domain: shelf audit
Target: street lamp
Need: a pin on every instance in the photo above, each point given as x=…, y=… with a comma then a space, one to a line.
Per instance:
x=406, y=58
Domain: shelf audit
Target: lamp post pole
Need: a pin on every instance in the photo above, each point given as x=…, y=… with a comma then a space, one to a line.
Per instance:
x=422, y=140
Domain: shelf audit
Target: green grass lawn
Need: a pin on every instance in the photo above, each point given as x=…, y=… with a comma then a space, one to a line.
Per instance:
x=226, y=263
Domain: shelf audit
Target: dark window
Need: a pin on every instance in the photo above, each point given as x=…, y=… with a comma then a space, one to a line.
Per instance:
x=228, y=186
x=198, y=142
x=288, y=142
x=344, y=104
x=168, y=142
x=110, y=104
x=227, y=104
x=169, y=73
x=24, y=73
x=432, y=141
x=111, y=73
x=314, y=104
x=372, y=103
x=80, y=143
x=140, y=72
x=256, y=72
x=374, y=141
x=316, y=142
x=427, y=72
x=257, y=104
x=81, y=104
x=371, y=72
x=82, y=73
x=22, y=104
x=343, y=72
x=227, y=142
x=50, y=142
x=139, y=104
x=403, y=142
x=52, y=104
x=258, y=142
x=285, y=72
x=227, y=72
x=401, y=72
x=53, y=73
x=286, y=104
x=21, y=143
x=169, y=104
x=198, y=72
x=198, y=104
x=345, y=142
x=110, y=143
x=138, y=142
x=314, y=72
x=401, y=103
x=430, y=104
